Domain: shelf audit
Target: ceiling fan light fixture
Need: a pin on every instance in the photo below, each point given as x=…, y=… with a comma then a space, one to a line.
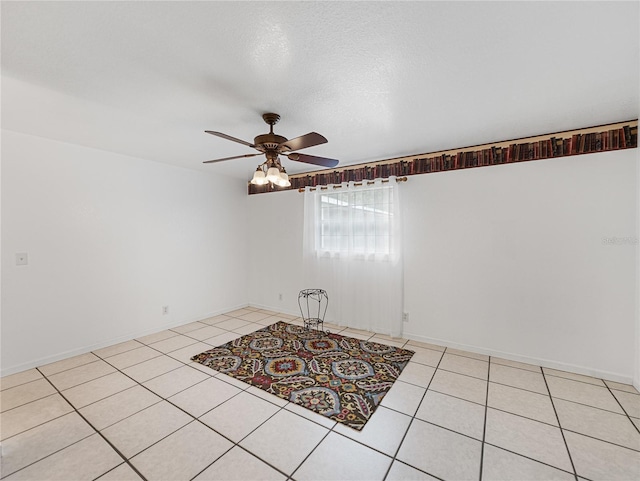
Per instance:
x=273, y=174
x=284, y=179
x=259, y=177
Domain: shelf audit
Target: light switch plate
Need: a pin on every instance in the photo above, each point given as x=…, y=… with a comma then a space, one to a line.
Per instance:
x=22, y=259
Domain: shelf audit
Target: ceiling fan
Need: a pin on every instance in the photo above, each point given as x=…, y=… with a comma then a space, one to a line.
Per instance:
x=272, y=146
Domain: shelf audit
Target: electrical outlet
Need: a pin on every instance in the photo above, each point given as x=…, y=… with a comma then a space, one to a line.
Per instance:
x=405, y=317
x=165, y=310
x=279, y=297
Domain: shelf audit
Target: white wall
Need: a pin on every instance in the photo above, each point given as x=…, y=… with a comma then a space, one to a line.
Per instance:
x=507, y=260
x=110, y=239
x=275, y=250
x=511, y=260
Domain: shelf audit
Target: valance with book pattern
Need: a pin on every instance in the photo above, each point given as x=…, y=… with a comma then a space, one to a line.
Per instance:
x=622, y=135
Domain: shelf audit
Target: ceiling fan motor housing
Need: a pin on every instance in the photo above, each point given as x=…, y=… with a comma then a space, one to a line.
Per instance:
x=268, y=142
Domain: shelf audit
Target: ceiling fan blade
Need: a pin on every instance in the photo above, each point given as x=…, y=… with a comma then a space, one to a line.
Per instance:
x=229, y=158
x=304, y=141
x=312, y=159
x=228, y=137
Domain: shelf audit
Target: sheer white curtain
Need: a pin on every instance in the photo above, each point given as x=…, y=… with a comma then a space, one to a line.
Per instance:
x=353, y=250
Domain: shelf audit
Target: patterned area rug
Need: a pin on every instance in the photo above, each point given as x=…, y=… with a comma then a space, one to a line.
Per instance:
x=339, y=377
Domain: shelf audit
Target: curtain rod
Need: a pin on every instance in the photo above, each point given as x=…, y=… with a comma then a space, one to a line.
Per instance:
x=356, y=184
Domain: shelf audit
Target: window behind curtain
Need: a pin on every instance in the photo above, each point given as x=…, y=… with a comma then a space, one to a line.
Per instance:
x=352, y=248
x=356, y=222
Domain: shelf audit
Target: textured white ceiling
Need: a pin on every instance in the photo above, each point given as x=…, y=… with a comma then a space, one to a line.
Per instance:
x=379, y=80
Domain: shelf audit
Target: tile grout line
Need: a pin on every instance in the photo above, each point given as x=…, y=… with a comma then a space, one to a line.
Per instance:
x=484, y=427
x=107, y=472
x=517, y=415
x=511, y=413
x=98, y=358
x=458, y=354
x=624, y=410
x=575, y=473
x=237, y=444
x=117, y=354
x=448, y=429
x=20, y=385
x=572, y=379
x=162, y=374
x=37, y=425
x=519, y=388
x=4, y=475
x=462, y=374
x=122, y=372
x=336, y=424
x=636, y=393
x=413, y=418
x=329, y=431
x=52, y=393
x=195, y=341
x=162, y=399
x=412, y=467
x=69, y=369
x=516, y=387
x=196, y=420
x=98, y=432
x=531, y=459
x=603, y=385
x=481, y=379
x=557, y=426
x=128, y=416
x=283, y=407
x=590, y=406
x=535, y=368
x=84, y=382
x=76, y=367
x=221, y=379
x=100, y=377
x=28, y=402
x=601, y=440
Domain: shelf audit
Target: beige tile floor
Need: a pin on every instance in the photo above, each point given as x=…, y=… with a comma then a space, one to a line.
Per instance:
x=142, y=410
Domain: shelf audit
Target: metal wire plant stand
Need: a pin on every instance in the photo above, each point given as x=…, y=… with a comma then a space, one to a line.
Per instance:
x=313, y=305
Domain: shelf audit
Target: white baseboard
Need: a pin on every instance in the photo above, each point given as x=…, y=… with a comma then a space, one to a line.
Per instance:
x=562, y=366
x=274, y=309
x=126, y=337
